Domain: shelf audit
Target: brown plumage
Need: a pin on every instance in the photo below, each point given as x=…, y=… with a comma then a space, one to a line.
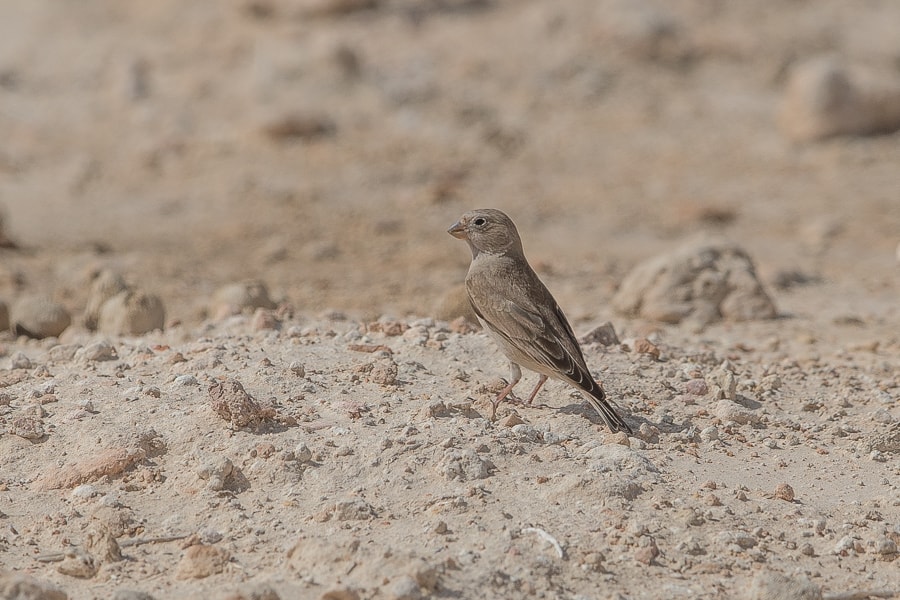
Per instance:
x=520, y=313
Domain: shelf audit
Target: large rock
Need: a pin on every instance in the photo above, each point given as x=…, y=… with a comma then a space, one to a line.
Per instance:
x=106, y=284
x=131, y=312
x=233, y=298
x=825, y=98
x=701, y=283
x=38, y=317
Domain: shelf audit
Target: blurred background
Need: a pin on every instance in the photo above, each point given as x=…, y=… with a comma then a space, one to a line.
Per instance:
x=325, y=146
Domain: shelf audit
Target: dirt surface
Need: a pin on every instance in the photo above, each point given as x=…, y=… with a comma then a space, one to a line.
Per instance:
x=324, y=147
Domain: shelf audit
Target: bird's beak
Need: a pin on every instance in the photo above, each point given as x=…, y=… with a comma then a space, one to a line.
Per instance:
x=458, y=230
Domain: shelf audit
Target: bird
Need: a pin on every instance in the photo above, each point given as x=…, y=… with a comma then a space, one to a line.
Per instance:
x=520, y=314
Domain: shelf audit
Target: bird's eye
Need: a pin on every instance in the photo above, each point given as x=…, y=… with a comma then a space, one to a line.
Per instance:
x=479, y=221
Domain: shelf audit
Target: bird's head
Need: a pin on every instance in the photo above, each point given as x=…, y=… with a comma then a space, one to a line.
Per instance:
x=487, y=230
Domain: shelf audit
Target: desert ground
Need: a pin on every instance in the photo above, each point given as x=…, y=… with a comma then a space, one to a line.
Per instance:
x=332, y=440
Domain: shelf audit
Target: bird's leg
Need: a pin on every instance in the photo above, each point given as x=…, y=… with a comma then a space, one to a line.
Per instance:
x=536, y=389
x=515, y=374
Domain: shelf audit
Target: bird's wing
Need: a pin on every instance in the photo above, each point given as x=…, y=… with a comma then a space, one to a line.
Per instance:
x=522, y=311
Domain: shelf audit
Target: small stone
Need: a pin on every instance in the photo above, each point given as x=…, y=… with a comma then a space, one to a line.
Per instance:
x=511, y=420
x=768, y=585
x=343, y=593
x=185, y=380
x=436, y=408
x=807, y=550
x=440, y=528
x=264, y=319
x=96, y=352
x=201, y=560
x=784, y=492
x=297, y=125
x=723, y=382
x=620, y=438
x=78, y=563
x=229, y=400
x=297, y=369
x=726, y=410
x=302, y=453
x=645, y=346
x=15, y=586
x=256, y=592
x=845, y=545
x=464, y=465
x=38, y=317
x=405, y=588
x=709, y=434
x=886, y=547
x=28, y=427
x=19, y=361
x=132, y=595
x=63, y=352
x=882, y=415
x=355, y=509
x=216, y=473
x=696, y=387
x=647, y=552
x=605, y=335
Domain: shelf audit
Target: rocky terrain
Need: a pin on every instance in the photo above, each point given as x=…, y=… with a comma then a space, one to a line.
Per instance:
x=235, y=360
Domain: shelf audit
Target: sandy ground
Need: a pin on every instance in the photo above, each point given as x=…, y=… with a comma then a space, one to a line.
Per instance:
x=325, y=151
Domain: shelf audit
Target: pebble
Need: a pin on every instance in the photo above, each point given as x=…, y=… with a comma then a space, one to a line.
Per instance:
x=83, y=492
x=769, y=585
x=302, y=453
x=882, y=415
x=78, y=563
x=15, y=586
x=96, y=352
x=405, y=587
x=132, y=595
x=297, y=369
x=464, y=465
x=299, y=126
x=62, y=353
x=230, y=401
x=201, y=560
x=726, y=410
x=341, y=593
x=216, y=473
x=886, y=547
x=38, y=317
x=723, y=382
x=185, y=380
x=696, y=387
x=28, y=427
x=709, y=434
x=255, y=592
x=605, y=335
x=19, y=361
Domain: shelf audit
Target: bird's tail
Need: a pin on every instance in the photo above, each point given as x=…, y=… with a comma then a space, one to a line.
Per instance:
x=598, y=400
